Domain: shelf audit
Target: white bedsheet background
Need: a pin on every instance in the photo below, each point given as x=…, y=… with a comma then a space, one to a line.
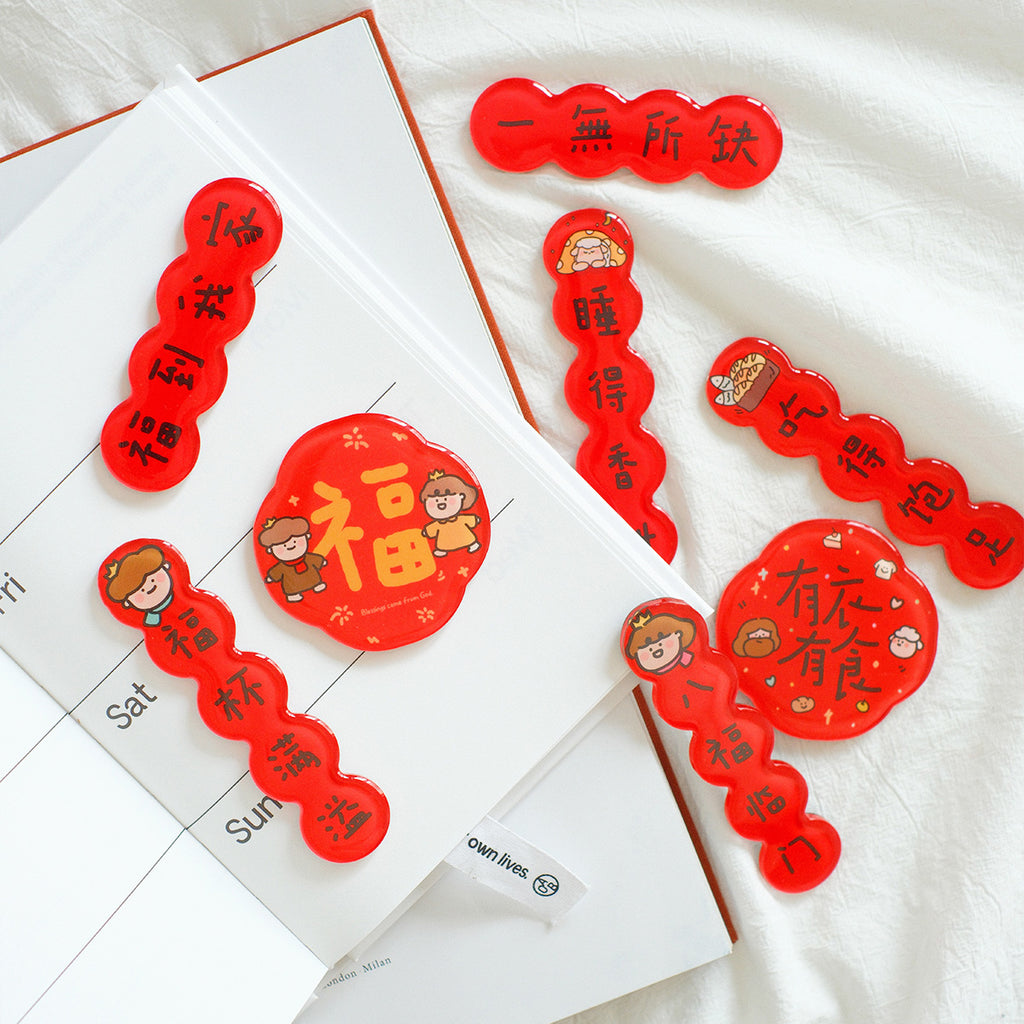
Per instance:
x=885, y=252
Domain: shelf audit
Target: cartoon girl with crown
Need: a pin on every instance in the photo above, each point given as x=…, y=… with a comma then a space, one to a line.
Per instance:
x=444, y=497
x=658, y=643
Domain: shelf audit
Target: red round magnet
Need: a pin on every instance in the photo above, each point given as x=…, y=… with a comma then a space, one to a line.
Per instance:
x=371, y=533
x=828, y=629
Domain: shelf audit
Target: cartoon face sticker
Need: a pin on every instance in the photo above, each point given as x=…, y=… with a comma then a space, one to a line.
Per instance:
x=905, y=642
x=801, y=705
x=757, y=638
x=659, y=642
x=142, y=580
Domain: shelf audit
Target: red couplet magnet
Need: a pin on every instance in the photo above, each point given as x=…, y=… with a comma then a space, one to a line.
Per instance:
x=191, y=633
x=178, y=369
x=861, y=457
x=590, y=131
x=597, y=306
x=828, y=629
x=371, y=533
x=694, y=687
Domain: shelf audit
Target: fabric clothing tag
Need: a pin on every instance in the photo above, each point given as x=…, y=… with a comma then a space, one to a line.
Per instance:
x=502, y=860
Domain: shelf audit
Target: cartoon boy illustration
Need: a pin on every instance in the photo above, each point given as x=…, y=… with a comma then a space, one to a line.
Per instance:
x=658, y=643
x=757, y=638
x=444, y=497
x=297, y=568
x=142, y=580
x=905, y=642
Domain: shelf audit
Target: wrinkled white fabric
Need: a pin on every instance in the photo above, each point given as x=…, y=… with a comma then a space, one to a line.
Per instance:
x=885, y=252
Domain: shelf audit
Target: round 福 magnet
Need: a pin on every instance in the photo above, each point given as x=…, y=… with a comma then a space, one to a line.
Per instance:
x=371, y=533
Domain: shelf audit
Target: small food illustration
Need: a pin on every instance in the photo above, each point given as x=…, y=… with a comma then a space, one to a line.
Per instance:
x=371, y=533
x=747, y=382
x=822, y=643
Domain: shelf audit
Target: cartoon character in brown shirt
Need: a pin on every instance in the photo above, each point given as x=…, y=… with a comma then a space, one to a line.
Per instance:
x=444, y=497
x=297, y=568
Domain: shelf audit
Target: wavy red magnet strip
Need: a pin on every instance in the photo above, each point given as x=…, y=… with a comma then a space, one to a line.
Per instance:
x=243, y=696
x=204, y=299
x=597, y=307
x=862, y=457
x=590, y=131
x=666, y=642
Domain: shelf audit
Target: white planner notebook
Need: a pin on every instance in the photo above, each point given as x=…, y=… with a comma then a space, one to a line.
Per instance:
x=70, y=369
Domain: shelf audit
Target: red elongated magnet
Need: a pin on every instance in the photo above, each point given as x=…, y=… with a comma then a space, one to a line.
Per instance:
x=827, y=629
x=590, y=131
x=862, y=457
x=292, y=757
x=597, y=306
x=204, y=299
x=694, y=687
x=371, y=533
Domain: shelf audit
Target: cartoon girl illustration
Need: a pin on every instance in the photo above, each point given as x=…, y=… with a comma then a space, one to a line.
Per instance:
x=142, y=580
x=444, y=497
x=297, y=569
x=757, y=638
x=658, y=643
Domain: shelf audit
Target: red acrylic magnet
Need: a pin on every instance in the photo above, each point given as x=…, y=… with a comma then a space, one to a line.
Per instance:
x=597, y=307
x=371, y=533
x=861, y=457
x=178, y=369
x=828, y=629
x=666, y=642
x=590, y=131
x=292, y=757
